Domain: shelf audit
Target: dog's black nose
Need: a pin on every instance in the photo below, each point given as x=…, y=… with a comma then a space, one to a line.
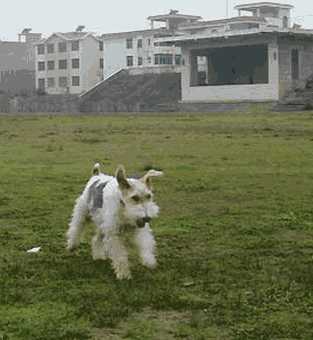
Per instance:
x=146, y=219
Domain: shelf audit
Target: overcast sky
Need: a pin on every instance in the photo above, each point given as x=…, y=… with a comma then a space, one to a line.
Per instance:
x=104, y=16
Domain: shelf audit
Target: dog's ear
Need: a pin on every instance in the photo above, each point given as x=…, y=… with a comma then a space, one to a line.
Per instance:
x=121, y=178
x=147, y=177
x=96, y=169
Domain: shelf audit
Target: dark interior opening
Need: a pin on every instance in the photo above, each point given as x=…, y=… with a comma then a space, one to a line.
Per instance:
x=230, y=66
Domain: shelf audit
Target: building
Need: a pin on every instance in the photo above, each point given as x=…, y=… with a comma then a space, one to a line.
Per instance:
x=68, y=63
x=138, y=48
x=17, y=66
x=256, y=56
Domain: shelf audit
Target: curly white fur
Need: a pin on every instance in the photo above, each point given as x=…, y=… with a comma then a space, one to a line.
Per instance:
x=117, y=206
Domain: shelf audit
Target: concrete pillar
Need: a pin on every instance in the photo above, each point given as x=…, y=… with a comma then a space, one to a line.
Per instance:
x=273, y=67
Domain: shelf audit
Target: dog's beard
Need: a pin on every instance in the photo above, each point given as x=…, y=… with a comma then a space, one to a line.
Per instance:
x=135, y=215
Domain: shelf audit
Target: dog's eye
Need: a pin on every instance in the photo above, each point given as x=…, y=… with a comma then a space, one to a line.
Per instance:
x=135, y=198
x=148, y=196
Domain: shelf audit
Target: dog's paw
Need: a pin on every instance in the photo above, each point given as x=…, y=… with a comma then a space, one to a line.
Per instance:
x=99, y=256
x=122, y=272
x=71, y=246
x=151, y=263
x=123, y=276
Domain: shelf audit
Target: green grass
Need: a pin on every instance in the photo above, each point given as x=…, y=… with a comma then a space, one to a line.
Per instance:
x=235, y=234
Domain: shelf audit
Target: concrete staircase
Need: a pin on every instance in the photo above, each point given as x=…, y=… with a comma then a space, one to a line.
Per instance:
x=127, y=92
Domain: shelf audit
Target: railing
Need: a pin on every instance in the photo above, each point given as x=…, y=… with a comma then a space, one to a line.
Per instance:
x=82, y=95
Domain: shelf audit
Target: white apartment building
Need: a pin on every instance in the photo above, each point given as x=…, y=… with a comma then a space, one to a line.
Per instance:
x=68, y=63
x=138, y=48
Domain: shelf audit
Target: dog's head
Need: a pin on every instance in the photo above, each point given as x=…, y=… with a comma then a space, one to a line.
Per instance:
x=137, y=206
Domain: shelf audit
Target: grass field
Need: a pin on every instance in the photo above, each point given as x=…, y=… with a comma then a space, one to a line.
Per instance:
x=235, y=234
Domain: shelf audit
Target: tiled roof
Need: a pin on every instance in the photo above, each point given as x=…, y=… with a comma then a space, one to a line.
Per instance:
x=69, y=36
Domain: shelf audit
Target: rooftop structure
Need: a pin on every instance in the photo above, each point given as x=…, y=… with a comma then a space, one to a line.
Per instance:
x=275, y=13
x=262, y=5
x=173, y=19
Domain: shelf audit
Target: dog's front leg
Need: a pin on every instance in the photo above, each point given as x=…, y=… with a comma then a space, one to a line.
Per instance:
x=146, y=246
x=99, y=246
x=119, y=256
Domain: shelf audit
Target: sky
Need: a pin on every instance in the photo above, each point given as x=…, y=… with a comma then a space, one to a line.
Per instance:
x=102, y=16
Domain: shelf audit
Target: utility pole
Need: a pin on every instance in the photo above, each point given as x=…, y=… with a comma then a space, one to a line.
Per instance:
x=227, y=8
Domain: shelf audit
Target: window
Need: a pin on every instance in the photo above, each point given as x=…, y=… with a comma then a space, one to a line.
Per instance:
x=163, y=59
x=50, y=65
x=62, y=46
x=75, y=63
x=41, y=84
x=41, y=49
x=295, y=64
x=101, y=46
x=177, y=59
x=101, y=63
x=63, y=64
x=51, y=82
x=149, y=42
x=285, y=22
x=139, y=43
x=130, y=61
x=75, y=81
x=62, y=81
x=41, y=66
x=139, y=61
x=75, y=45
x=50, y=48
x=129, y=43
x=149, y=60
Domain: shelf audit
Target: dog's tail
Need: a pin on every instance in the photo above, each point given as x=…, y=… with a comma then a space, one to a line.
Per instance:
x=96, y=170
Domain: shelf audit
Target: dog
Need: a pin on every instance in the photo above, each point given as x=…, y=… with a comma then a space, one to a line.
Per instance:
x=122, y=209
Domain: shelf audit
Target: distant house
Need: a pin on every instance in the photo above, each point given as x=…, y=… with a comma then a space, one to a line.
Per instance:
x=138, y=48
x=68, y=62
x=17, y=63
x=257, y=56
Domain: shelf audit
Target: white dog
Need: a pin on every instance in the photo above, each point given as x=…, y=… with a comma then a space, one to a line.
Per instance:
x=119, y=207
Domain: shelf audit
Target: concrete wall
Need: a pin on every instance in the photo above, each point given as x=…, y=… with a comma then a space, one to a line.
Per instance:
x=224, y=93
x=305, y=48
x=16, y=56
x=17, y=67
x=45, y=103
x=90, y=71
x=20, y=82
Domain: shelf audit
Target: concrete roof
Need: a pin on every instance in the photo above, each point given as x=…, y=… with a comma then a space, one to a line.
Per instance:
x=173, y=15
x=253, y=6
x=241, y=19
x=131, y=34
x=253, y=31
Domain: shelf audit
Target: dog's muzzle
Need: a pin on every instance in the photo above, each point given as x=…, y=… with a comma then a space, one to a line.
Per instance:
x=142, y=222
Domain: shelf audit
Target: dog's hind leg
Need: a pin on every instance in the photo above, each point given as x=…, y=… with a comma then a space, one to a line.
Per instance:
x=146, y=246
x=76, y=225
